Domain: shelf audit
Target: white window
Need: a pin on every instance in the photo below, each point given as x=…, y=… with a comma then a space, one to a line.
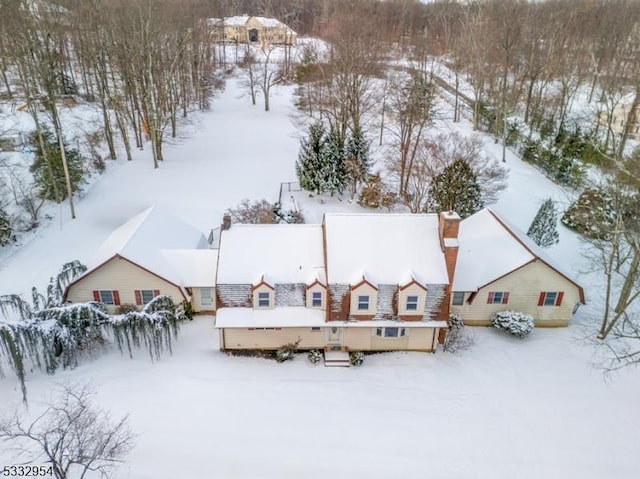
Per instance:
x=412, y=303
x=106, y=297
x=391, y=332
x=458, y=298
x=316, y=299
x=263, y=300
x=363, y=303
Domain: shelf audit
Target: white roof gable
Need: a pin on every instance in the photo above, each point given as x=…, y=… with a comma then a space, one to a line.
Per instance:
x=280, y=253
x=491, y=248
x=143, y=239
x=386, y=248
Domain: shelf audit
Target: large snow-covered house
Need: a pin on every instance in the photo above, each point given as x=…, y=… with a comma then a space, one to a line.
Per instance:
x=151, y=254
x=250, y=29
x=358, y=282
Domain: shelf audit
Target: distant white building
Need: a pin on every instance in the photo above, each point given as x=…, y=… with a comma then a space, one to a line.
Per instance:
x=620, y=116
x=248, y=29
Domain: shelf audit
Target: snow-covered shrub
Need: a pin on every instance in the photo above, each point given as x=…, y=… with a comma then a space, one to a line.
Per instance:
x=287, y=352
x=6, y=231
x=126, y=308
x=513, y=322
x=314, y=356
x=263, y=212
x=592, y=214
x=457, y=338
x=356, y=358
x=375, y=193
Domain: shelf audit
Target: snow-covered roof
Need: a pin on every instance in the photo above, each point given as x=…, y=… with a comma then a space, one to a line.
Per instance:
x=236, y=21
x=490, y=248
x=195, y=267
x=241, y=20
x=385, y=248
x=301, y=317
x=145, y=239
x=281, y=253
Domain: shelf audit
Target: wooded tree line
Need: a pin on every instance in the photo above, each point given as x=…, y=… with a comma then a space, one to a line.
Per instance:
x=145, y=63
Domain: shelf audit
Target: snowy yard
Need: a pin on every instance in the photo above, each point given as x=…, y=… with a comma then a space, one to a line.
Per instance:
x=505, y=409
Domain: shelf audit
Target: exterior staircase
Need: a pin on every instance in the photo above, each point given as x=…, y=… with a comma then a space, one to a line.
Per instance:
x=338, y=357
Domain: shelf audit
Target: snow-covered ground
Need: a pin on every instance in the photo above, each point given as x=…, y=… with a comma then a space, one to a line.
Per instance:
x=505, y=409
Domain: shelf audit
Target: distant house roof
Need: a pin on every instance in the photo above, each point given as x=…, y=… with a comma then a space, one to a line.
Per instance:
x=390, y=247
x=491, y=248
x=156, y=241
x=241, y=20
x=280, y=253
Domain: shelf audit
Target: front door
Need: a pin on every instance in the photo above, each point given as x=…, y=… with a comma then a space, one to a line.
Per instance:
x=334, y=336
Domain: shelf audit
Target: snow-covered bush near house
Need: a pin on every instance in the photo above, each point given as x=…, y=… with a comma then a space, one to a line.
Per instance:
x=287, y=352
x=356, y=358
x=458, y=338
x=515, y=323
x=314, y=356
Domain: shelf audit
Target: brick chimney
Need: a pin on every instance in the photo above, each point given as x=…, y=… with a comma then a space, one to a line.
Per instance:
x=226, y=222
x=448, y=226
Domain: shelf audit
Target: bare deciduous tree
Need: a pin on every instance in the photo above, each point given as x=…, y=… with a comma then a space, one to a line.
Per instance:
x=71, y=434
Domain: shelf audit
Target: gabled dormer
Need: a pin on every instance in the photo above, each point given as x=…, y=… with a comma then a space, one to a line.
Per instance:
x=316, y=294
x=364, y=298
x=412, y=295
x=263, y=294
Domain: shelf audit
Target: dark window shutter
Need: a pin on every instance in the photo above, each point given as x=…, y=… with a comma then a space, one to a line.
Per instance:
x=505, y=298
x=156, y=292
x=559, y=298
x=96, y=296
x=490, y=298
x=116, y=298
x=138, y=297
x=541, y=299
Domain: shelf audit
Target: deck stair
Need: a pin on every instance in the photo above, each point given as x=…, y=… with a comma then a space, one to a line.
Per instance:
x=336, y=357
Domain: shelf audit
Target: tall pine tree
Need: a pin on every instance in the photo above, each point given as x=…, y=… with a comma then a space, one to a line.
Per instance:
x=333, y=167
x=544, y=227
x=456, y=189
x=309, y=166
x=357, y=160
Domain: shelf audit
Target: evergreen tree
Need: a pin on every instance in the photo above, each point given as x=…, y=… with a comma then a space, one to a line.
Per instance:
x=6, y=232
x=456, y=189
x=544, y=227
x=50, y=172
x=357, y=160
x=310, y=159
x=334, y=172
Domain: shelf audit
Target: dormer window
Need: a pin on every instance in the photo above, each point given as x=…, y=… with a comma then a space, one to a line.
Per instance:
x=316, y=299
x=363, y=302
x=412, y=302
x=264, y=300
x=316, y=292
x=411, y=299
x=263, y=293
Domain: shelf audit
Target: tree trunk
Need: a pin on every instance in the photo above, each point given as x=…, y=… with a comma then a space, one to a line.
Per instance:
x=63, y=156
